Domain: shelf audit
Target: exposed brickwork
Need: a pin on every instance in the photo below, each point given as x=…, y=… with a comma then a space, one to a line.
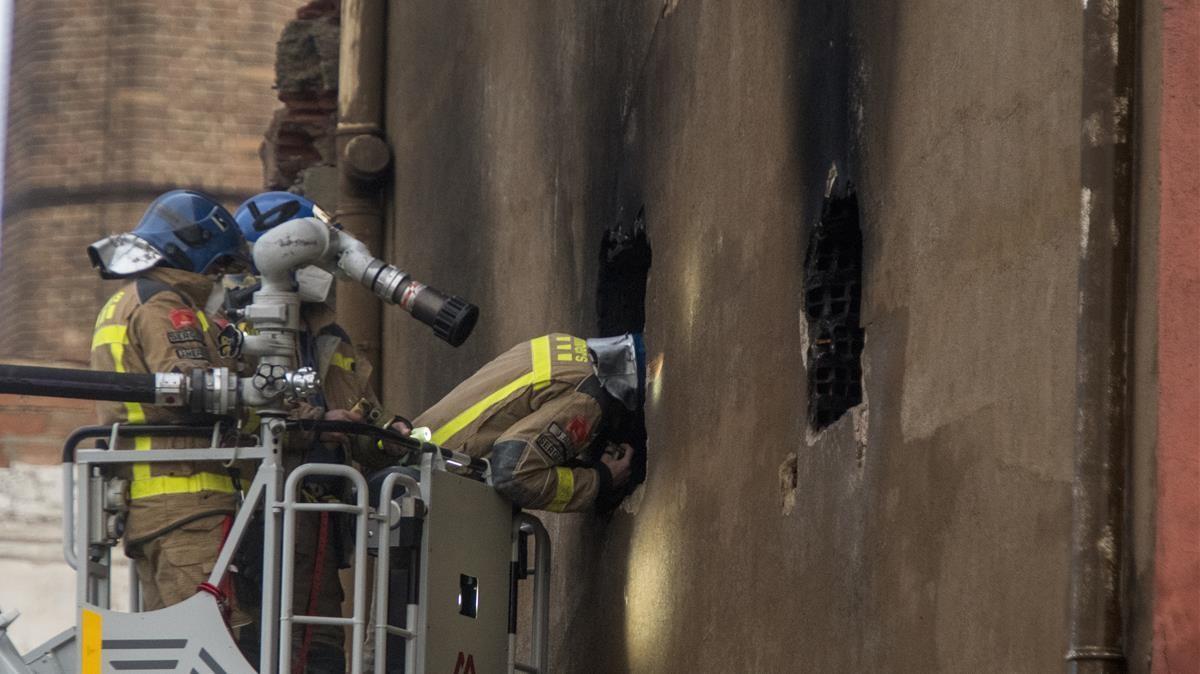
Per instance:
x=301, y=135
x=50, y=295
x=112, y=103
x=32, y=430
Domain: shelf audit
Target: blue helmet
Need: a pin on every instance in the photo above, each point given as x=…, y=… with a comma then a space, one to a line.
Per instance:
x=263, y=211
x=182, y=229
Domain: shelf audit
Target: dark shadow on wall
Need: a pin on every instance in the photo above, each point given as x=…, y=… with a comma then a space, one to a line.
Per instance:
x=658, y=99
x=589, y=58
x=824, y=63
x=624, y=261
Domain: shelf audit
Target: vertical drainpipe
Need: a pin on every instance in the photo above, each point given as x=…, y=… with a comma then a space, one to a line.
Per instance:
x=363, y=158
x=1103, y=339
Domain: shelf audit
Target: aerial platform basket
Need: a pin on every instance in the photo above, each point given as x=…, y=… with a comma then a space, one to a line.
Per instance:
x=450, y=558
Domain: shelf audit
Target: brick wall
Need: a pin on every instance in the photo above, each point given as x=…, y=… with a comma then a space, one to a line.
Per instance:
x=111, y=104
x=32, y=430
x=301, y=134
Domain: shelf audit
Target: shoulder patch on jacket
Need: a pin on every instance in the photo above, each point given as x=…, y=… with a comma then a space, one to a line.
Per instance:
x=197, y=353
x=580, y=430
x=189, y=334
x=555, y=444
x=184, y=319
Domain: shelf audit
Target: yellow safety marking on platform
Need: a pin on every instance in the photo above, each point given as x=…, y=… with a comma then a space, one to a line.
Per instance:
x=91, y=630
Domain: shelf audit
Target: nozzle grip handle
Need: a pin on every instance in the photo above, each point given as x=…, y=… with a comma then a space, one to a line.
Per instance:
x=451, y=317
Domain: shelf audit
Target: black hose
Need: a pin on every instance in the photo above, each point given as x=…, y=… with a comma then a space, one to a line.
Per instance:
x=353, y=428
x=413, y=445
x=52, y=382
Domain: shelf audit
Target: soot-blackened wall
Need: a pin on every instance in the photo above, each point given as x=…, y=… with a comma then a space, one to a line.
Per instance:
x=923, y=530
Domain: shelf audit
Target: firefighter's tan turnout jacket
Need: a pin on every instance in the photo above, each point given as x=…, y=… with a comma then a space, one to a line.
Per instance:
x=155, y=323
x=535, y=412
x=345, y=378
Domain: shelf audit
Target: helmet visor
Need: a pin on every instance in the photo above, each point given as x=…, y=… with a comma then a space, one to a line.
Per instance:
x=121, y=255
x=619, y=363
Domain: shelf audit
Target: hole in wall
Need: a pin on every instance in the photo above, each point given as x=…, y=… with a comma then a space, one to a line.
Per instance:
x=832, y=301
x=625, y=258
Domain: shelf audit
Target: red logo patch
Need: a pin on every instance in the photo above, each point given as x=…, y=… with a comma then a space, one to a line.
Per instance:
x=183, y=318
x=579, y=430
x=465, y=664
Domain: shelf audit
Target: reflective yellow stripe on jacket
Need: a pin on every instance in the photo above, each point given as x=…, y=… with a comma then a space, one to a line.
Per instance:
x=538, y=378
x=171, y=484
x=116, y=337
x=343, y=362
x=564, y=489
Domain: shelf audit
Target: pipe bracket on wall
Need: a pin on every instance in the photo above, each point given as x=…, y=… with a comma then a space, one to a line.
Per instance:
x=367, y=157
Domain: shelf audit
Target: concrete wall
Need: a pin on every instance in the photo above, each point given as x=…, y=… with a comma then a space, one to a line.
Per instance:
x=928, y=530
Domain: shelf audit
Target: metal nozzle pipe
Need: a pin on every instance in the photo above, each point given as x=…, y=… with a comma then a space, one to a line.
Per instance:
x=451, y=317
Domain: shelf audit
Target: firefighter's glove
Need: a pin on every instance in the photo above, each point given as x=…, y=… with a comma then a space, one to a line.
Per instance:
x=391, y=448
x=618, y=459
x=629, y=428
x=614, y=467
x=340, y=415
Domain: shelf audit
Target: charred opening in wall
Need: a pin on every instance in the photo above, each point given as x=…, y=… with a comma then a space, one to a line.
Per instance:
x=832, y=301
x=625, y=258
x=621, y=287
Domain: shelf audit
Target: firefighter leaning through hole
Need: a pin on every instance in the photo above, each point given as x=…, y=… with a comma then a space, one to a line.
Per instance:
x=179, y=512
x=321, y=543
x=552, y=415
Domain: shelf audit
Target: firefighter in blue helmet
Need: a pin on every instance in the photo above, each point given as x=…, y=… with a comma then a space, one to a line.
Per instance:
x=156, y=322
x=345, y=389
x=324, y=345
